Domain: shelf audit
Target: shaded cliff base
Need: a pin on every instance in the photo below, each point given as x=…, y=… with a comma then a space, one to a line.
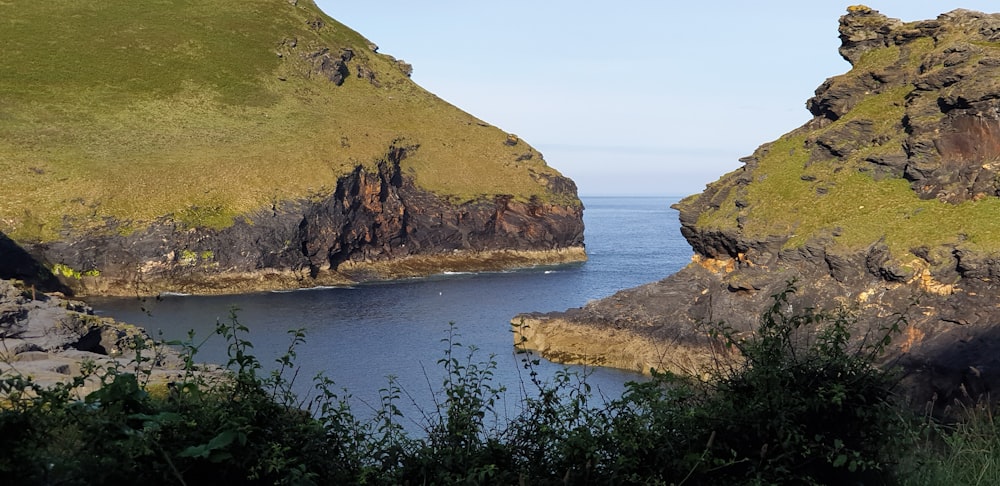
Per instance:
x=17, y=264
x=375, y=225
x=348, y=273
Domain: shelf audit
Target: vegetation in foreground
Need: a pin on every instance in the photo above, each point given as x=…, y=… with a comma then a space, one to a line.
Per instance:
x=795, y=408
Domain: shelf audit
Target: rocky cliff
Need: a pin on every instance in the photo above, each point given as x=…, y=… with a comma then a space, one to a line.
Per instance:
x=251, y=145
x=884, y=204
x=374, y=225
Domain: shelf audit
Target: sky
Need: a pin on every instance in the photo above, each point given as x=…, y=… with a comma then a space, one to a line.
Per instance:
x=640, y=98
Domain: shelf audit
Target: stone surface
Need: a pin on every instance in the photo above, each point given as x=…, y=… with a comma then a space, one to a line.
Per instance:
x=53, y=337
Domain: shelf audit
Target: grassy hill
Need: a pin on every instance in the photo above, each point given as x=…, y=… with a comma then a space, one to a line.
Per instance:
x=889, y=156
x=115, y=114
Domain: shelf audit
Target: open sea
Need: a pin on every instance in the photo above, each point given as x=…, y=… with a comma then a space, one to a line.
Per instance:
x=359, y=336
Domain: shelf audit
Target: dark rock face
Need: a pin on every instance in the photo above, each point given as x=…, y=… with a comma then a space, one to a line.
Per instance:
x=945, y=145
x=18, y=264
x=952, y=116
x=332, y=67
x=372, y=217
x=324, y=62
x=862, y=30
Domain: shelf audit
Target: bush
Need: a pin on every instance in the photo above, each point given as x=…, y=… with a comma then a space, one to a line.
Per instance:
x=806, y=404
x=798, y=407
x=240, y=428
x=802, y=404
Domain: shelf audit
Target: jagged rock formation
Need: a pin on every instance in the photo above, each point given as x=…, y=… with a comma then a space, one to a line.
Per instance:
x=373, y=226
x=249, y=146
x=883, y=204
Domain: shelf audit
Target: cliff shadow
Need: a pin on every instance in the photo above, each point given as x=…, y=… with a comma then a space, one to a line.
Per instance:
x=956, y=368
x=17, y=263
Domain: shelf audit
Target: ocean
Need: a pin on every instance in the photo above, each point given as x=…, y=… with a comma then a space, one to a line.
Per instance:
x=361, y=335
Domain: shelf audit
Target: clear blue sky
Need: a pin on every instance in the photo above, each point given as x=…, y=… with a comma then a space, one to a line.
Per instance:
x=629, y=97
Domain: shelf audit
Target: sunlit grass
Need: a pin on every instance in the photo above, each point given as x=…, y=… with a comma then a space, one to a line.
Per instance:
x=839, y=197
x=128, y=113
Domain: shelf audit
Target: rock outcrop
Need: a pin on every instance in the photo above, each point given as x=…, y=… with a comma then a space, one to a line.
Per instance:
x=246, y=147
x=375, y=225
x=884, y=204
x=50, y=339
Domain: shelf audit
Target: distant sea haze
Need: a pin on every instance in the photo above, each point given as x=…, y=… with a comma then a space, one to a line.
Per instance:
x=359, y=336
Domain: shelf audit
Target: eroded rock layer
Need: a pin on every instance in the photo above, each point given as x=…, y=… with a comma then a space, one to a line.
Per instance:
x=375, y=225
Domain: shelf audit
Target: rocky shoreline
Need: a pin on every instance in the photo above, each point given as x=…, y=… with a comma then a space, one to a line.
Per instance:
x=946, y=347
x=840, y=207
x=51, y=339
x=375, y=225
x=346, y=274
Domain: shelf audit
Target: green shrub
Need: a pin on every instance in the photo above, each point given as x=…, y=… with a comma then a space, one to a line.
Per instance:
x=800, y=407
x=806, y=404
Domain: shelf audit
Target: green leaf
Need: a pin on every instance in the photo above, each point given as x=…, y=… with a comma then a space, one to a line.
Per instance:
x=220, y=441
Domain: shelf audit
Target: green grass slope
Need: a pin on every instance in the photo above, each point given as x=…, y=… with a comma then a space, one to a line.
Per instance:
x=115, y=114
x=796, y=192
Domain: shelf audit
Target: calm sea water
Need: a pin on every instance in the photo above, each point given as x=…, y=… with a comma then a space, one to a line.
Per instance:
x=361, y=335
